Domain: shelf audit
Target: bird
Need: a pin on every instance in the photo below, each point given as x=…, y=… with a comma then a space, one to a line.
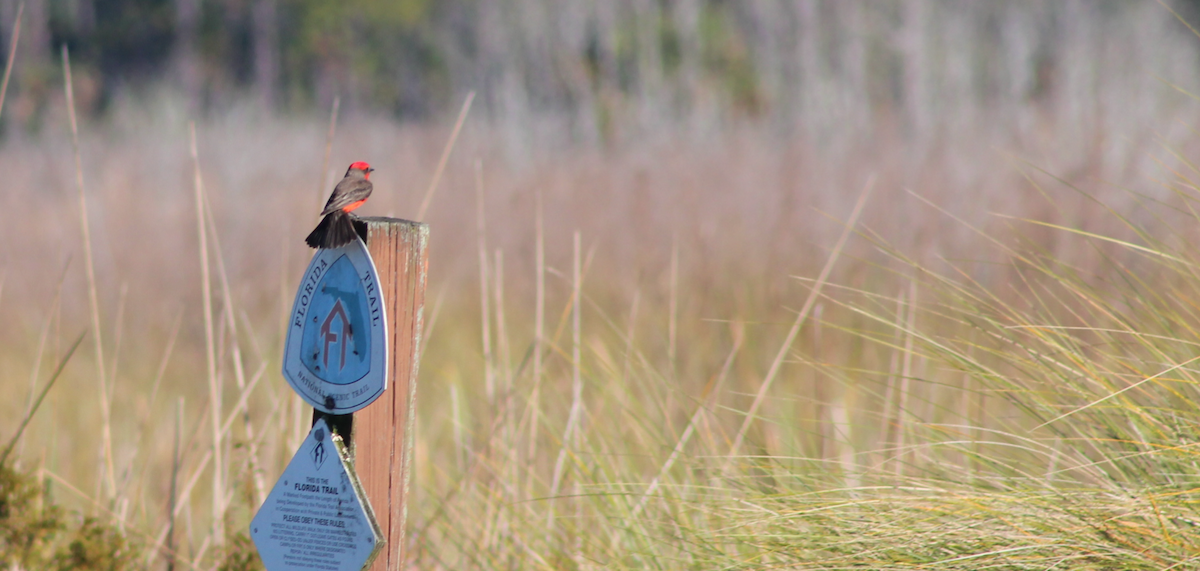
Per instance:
x=336, y=229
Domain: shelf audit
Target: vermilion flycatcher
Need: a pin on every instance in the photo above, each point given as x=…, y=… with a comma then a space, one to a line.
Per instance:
x=337, y=229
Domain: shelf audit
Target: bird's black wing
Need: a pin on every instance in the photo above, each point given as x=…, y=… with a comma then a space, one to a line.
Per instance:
x=346, y=193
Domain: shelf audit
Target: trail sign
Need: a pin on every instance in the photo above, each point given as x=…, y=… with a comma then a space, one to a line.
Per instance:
x=317, y=517
x=335, y=356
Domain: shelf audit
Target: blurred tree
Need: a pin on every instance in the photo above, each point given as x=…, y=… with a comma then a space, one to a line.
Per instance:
x=611, y=68
x=376, y=53
x=186, y=55
x=266, y=51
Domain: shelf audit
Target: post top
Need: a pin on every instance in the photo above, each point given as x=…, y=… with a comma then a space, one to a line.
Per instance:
x=390, y=220
x=364, y=223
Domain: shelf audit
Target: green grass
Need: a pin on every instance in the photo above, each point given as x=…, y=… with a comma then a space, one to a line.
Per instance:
x=1043, y=419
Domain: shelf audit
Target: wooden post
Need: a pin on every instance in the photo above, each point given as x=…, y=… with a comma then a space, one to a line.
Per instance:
x=383, y=431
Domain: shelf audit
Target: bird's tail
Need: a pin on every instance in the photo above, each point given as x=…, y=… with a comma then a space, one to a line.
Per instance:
x=334, y=231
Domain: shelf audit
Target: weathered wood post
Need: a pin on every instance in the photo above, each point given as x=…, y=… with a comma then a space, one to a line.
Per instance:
x=352, y=348
x=383, y=431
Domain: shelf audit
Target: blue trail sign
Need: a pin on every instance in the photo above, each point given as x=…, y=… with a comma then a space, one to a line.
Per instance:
x=317, y=518
x=336, y=351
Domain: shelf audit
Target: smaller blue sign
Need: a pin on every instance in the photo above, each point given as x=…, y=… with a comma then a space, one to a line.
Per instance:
x=336, y=351
x=317, y=517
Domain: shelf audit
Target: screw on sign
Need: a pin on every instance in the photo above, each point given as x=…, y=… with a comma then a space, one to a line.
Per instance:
x=316, y=517
x=336, y=351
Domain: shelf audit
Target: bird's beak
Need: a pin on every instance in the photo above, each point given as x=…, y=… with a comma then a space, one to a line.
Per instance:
x=370, y=170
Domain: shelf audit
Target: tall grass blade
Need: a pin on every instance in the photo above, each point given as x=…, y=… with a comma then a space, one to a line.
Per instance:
x=110, y=478
x=905, y=390
x=43, y=339
x=786, y=347
x=12, y=54
x=673, y=307
x=323, y=185
x=701, y=407
x=172, y=497
x=570, y=439
x=239, y=371
x=489, y=364
x=37, y=403
x=539, y=326
x=214, y=384
x=441, y=166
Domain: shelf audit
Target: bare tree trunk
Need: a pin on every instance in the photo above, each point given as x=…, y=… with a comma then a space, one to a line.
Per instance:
x=855, y=90
x=648, y=14
x=8, y=15
x=914, y=36
x=810, y=63
x=266, y=52
x=685, y=15
x=85, y=16
x=35, y=33
x=187, y=57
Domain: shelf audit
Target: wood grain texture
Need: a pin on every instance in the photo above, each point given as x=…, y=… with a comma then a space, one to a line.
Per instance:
x=383, y=430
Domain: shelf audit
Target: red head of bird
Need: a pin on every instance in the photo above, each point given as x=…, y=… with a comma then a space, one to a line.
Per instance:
x=362, y=167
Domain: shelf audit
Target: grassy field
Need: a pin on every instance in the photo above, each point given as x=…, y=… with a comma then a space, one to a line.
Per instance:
x=741, y=353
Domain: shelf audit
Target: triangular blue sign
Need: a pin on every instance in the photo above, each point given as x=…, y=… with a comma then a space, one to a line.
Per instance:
x=317, y=517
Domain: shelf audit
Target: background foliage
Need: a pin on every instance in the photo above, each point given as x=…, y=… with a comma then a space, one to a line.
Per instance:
x=828, y=69
x=623, y=244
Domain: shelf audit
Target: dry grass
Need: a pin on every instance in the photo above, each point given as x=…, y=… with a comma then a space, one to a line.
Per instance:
x=599, y=416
